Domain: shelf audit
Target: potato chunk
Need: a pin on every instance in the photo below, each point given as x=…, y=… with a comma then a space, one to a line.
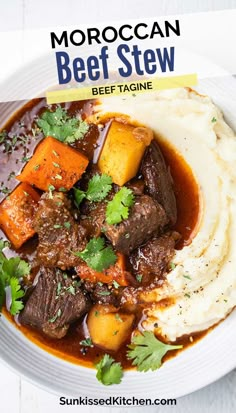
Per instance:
x=109, y=328
x=123, y=150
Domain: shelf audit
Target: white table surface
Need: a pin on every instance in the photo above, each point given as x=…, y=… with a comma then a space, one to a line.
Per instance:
x=17, y=395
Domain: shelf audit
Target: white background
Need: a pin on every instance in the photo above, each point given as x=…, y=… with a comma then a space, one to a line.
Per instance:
x=16, y=395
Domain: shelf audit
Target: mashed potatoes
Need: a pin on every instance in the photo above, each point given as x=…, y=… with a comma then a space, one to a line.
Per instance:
x=202, y=285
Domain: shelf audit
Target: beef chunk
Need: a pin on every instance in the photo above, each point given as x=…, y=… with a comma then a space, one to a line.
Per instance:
x=58, y=232
x=151, y=260
x=93, y=217
x=158, y=180
x=136, y=185
x=101, y=293
x=146, y=218
x=55, y=303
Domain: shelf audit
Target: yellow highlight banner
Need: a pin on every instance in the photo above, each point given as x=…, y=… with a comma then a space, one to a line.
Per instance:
x=124, y=88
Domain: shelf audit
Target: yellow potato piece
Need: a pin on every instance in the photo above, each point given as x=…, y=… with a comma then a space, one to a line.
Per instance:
x=123, y=151
x=108, y=329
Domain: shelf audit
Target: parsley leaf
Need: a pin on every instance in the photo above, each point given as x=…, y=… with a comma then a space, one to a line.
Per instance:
x=16, y=293
x=98, y=188
x=118, y=207
x=108, y=371
x=97, y=255
x=147, y=351
x=62, y=127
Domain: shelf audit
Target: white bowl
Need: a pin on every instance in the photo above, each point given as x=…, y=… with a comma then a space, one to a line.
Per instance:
x=197, y=366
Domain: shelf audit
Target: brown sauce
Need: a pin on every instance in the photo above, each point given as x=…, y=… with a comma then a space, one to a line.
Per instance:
x=187, y=197
x=69, y=349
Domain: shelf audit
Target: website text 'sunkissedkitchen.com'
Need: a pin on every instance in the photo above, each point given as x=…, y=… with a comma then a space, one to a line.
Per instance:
x=116, y=401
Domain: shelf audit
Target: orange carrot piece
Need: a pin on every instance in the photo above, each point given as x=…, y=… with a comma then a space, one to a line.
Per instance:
x=54, y=163
x=114, y=273
x=17, y=213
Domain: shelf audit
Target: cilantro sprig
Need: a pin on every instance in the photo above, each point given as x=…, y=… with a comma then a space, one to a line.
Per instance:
x=98, y=188
x=147, y=351
x=61, y=126
x=97, y=255
x=11, y=270
x=108, y=371
x=118, y=208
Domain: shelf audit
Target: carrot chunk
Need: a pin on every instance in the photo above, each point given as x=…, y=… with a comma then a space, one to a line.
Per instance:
x=17, y=213
x=54, y=164
x=114, y=273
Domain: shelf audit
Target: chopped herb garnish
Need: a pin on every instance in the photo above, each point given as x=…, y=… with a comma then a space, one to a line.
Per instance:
x=59, y=286
x=62, y=189
x=104, y=293
x=61, y=126
x=36, y=167
x=115, y=284
x=56, y=165
x=5, y=190
x=57, y=176
x=57, y=226
x=87, y=342
x=115, y=332
x=97, y=255
x=65, y=276
x=96, y=313
x=139, y=278
x=25, y=159
x=118, y=208
x=56, y=316
x=51, y=188
x=55, y=153
x=214, y=119
x=71, y=290
x=11, y=175
x=25, y=193
x=172, y=265
x=118, y=318
x=10, y=143
x=187, y=295
x=187, y=276
x=67, y=225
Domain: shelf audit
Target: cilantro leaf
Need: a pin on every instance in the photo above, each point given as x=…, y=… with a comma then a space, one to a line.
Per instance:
x=108, y=371
x=16, y=293
x=2, y=293
x=62, y=127
x=87, y=342
x=118, y=207
x=98, y=187
x=15, y=267
x=79, y=196
x=147, y=351
x=11, y=269
x=97, y=255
